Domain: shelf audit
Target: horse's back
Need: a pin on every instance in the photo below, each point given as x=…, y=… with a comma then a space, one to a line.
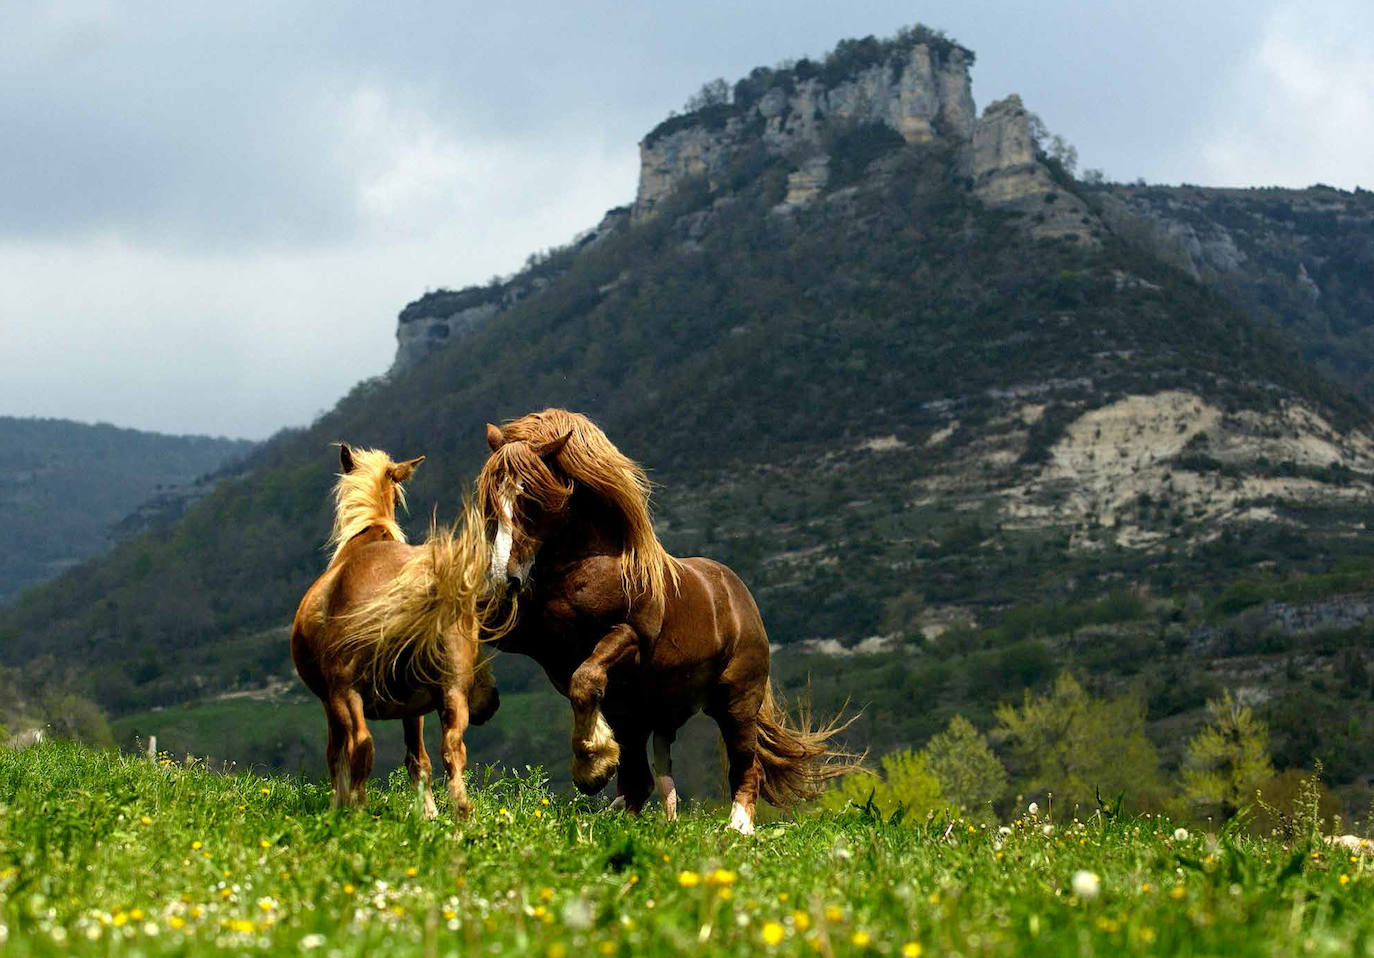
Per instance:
x=363, y=569
x=712, y=613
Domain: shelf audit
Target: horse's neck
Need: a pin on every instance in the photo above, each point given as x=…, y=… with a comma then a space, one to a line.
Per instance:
x=370, y=534
x=591, y=529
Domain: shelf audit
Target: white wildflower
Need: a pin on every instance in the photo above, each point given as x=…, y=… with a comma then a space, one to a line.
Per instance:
x=1086, y=884
x=1033, y=808
x=1004, y=830
x=1047, y=829
x=1180, y=834
x=311, y=942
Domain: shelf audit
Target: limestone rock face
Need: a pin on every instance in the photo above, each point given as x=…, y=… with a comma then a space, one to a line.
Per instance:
x=916, y=91
x=806, y=182
x=1008, y=174
x=444, y=317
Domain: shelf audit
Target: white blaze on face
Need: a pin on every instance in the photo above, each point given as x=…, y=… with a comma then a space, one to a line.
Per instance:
x=500, y=550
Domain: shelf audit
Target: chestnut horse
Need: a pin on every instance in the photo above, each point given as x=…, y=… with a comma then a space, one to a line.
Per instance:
x=638, y=641
x=390, y=631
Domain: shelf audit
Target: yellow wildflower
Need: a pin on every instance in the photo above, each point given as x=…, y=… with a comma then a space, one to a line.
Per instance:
x=264, y=843
x=557, y=950
x=834, y=913
x=412, y=871
x=546, y=894
x=1178, y=892
x=241, y=925
x=912, y=949
x=146, y=820
x=265, y=791
x=783, y=896
x=348, y=889
x=1345, y=879
x=801, y=919
x=722, y=876
x=772, y=933
x=725, y=893
x=196, y=846
x=176, y=921
x=136, y=914
x=860, y=939
x=688, y=879
x=606, y=947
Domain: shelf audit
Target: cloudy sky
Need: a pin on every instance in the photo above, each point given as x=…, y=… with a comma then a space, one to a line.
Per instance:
x=211, y=214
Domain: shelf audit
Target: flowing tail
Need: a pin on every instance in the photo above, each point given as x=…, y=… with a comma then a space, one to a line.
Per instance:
x=798, y=760
x=443, y=586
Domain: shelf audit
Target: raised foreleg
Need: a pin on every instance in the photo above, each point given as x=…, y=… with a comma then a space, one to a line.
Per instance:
x=595, y=752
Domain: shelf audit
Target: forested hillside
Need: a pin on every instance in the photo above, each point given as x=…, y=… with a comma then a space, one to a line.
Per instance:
x=65, y=485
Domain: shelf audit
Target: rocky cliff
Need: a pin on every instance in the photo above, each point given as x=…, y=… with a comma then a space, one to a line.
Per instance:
x=822, y=123
x=917, y=85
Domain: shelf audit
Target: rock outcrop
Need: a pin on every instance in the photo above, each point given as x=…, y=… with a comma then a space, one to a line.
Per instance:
x=446, y=316
x=919, y=88
x=1009, y=173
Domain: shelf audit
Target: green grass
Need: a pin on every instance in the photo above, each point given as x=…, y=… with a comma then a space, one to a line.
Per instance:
x=102, y=854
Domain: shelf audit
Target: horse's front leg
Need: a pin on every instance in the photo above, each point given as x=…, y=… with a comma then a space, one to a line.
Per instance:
x=595, y=752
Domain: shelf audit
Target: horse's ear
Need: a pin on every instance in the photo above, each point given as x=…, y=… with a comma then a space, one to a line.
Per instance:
x=494, y=437
x=553, y=447
x=345, y=458
x=404, y=470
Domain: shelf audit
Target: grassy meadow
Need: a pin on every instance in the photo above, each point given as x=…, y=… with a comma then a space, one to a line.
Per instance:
x=102, y=854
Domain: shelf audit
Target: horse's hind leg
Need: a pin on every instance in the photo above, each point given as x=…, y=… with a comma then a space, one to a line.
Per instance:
x=349, y=751
x=418, y=763
x=634, y=781
x=336, y=751
x=453, y=714
x=663, y=771
x=739, y=727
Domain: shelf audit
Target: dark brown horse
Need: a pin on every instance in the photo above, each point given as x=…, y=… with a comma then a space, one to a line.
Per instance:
x=390, y=631
x=634, y=637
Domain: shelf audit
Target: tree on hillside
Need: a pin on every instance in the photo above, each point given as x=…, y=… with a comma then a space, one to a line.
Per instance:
x=1228, y=759
x=713, y=93
x=906, y=782
x=968, y=772
x=1078, y=746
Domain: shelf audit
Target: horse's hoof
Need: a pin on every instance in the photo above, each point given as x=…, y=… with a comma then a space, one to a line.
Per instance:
x=590, y=775
x=740, y=820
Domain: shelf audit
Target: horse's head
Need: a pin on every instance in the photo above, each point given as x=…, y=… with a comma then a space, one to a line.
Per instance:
x=367, y=493
x=523, y=495
x=384, y=476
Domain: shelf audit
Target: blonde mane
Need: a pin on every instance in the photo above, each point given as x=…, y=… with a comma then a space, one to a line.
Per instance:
x=441, y=587
x=592, y=462
x=366, y=497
